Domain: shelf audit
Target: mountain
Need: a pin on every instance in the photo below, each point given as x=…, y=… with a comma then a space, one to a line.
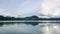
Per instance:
x=34, y=17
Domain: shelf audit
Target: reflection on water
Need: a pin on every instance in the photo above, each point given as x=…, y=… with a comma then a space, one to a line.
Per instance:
x=30, y=28
x=11, y=23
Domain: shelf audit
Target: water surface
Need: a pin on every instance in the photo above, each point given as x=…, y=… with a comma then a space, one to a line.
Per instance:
x=30, y=28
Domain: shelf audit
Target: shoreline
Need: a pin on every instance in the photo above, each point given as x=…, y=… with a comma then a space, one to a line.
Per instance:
x=29, y=20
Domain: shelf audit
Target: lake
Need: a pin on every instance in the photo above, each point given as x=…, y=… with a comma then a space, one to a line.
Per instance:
x=30, y=28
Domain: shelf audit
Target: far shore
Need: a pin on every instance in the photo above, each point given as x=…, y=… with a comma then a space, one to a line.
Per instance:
x=29, y=20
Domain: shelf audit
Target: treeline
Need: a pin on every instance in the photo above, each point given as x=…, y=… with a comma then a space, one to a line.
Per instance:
x=14, y=18
x=26, y=18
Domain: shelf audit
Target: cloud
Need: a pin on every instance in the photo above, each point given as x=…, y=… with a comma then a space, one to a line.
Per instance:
x=19, y=7
x=30, y=7
x=50, y=7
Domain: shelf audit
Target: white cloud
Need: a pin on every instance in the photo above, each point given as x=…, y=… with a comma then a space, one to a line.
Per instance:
x=50, y=7
x=19, y=7
x=26, y=7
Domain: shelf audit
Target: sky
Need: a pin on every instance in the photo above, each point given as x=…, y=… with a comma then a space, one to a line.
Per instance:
x=23, y=8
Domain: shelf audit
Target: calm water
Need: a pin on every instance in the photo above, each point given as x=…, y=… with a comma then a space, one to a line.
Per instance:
x=30, y=28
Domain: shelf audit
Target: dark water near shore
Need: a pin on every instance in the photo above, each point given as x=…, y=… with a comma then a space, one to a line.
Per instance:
x=30, y=28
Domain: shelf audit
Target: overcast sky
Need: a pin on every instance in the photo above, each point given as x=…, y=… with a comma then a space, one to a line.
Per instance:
x=24, y=8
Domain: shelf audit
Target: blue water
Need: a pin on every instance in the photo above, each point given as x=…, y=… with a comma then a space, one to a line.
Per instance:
x=30, y=28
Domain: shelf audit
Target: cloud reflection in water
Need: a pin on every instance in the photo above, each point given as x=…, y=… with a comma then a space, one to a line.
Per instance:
x=42, y=28
x=50, y=28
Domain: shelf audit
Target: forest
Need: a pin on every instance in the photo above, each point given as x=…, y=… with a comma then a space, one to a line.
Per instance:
x=34, y=17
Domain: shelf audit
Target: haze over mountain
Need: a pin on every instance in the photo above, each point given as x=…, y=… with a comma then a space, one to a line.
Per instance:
x=23, y=8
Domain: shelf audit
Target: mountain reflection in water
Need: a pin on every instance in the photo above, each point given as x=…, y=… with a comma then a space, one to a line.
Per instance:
x=11, y=23
x=29, y=28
